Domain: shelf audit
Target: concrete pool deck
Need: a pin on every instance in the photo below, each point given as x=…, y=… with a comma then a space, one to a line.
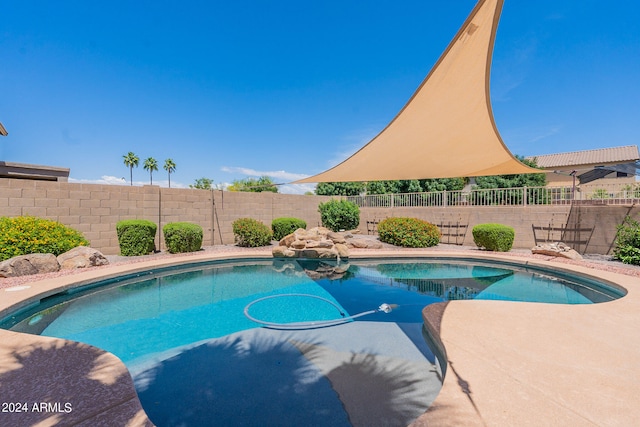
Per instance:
x=508, y=363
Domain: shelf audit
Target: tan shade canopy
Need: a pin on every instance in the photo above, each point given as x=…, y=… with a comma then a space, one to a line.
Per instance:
x=447, y=128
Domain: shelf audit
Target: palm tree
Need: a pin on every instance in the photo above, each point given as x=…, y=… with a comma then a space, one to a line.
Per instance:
x=131, y=161
x=151, y=165
x=169, y=166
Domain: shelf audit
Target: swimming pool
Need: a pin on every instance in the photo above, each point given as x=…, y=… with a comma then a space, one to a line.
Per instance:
x=195, y=356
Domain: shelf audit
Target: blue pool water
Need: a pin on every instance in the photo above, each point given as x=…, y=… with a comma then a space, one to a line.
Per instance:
x=190, y=347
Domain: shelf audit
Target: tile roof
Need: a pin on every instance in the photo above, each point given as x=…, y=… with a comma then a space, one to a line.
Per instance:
x=602, y=156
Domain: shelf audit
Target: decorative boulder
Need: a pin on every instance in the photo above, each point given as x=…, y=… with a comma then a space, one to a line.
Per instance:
x=363, y=243
x=557, y=249
x=343, y=250
x=82, y=257
x=24, y=265
x=283, y=252
x=322, y=243
x=315, y=243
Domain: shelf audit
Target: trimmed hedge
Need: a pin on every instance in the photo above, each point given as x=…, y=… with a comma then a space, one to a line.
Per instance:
x=182, y=237
x=284, y=226
x=627, y=243
x=24, y=235
x=136, y=236
x=251, y=233
x=408, y=232
x=493, y=237
x=339, y=215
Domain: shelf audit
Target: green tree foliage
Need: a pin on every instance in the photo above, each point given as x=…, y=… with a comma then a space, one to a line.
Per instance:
x=409, y=186
x=202, y=184
x=389, y=187
x=264, y=183
x=442, y=184
x=170, y=167
x=131, y=161
x=340, y=188
x=150, y=164
x=382, y=187
x=627, y=243
x=511, y=181
x=514, y=181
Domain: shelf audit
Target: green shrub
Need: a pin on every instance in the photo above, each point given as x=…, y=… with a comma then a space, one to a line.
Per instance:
x=408, y=232
x=627, y=243
x=339, y=215
x=25, y=235
x=283, y=226
x=251, y=233
x=182, y=237
x=136, y=236
x=493, y=237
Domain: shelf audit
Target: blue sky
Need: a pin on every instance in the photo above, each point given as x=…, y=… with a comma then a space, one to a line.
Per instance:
x=234, y=89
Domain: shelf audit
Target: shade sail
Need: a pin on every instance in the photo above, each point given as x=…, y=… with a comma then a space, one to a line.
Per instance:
x=447, y=128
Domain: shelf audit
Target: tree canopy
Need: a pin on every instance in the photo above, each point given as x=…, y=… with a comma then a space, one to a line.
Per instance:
x=513, y=181
x=202, y=184
x=264, y=183
x=340, y=188
x=388, y=187
x=151, y=165
x=433, y=185
x=170, y=167
x=131, y=161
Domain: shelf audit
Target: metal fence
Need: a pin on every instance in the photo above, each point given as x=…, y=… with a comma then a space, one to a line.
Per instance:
x=611, y=194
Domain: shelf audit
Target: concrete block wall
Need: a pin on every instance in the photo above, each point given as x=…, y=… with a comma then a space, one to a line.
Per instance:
x=599, y=223
x=521, y=218
x=264, y=207
x=95, y=210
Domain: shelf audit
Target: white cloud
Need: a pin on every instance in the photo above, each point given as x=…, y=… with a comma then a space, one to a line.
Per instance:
x=297, y=188
x=105, y=179
x=280, y=177
x=115, y=180
x=284, y=189
x=277, y=175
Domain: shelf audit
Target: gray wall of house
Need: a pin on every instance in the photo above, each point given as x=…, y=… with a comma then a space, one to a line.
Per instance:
x=95, y=209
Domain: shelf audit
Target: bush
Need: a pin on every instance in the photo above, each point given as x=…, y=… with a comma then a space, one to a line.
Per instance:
x=339, y=215
x=493, y=237
x=408, y=232
x=136, y=236
x=251, y=233
x=25, y=235
x=182, y=237
x=283, y=226
x=627, y=243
